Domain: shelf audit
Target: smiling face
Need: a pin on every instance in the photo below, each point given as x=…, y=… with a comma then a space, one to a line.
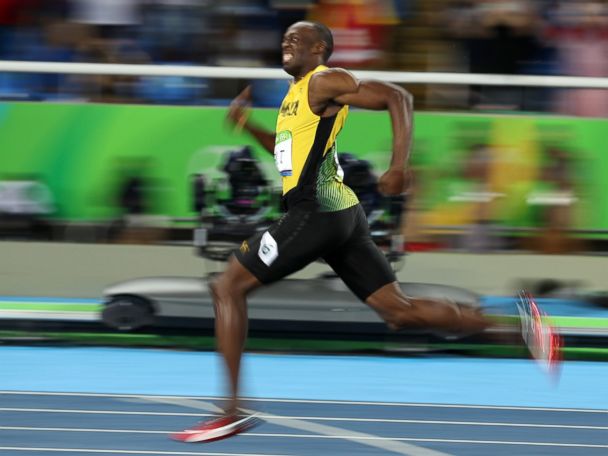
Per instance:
x=302, y=49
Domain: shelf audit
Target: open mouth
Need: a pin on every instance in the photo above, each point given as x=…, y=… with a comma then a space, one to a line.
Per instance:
x=287, y=58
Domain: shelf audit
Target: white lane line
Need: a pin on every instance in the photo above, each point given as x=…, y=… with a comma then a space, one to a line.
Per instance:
x=315, y=418
x=92, y=450
x=100, y=412
x=313, y=401
x=345, y=436
x=93, y=430
x=391, y=445
x=416, y=439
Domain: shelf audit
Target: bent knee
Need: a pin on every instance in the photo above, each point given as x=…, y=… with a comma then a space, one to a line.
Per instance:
x=393, y=323
x=404, y=319
x=401, y=312
x=234, y=282
x=223, y=288
x=397, y=311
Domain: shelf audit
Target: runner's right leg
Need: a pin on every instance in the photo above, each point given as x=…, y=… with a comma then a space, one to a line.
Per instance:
x=230, y=291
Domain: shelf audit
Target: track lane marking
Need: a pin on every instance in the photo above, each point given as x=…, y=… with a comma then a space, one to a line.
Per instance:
x=93, y=450
x=314, y=418
x=346, y=436
x=313, y=401
x=391, y=445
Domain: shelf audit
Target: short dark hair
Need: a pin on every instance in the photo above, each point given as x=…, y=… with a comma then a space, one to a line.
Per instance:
x=324, y=34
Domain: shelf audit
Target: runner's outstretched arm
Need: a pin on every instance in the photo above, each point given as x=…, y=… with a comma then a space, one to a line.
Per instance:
x=238, y=115
x=337, y=87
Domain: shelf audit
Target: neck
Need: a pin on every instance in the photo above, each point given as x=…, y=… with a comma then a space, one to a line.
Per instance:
x=305, y=71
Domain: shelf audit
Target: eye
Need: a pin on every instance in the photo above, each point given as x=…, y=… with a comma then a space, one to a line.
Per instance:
x=290, y=39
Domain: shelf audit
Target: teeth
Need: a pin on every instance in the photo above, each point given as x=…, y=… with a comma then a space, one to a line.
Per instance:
x=287, y=57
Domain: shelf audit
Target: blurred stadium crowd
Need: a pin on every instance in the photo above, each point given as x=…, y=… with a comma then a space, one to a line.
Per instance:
x=542, y=37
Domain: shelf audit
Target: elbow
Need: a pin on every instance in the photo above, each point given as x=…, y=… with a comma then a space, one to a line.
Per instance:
x=409, y=100
x=409, y=103
x=403, y=98
x=406, y=98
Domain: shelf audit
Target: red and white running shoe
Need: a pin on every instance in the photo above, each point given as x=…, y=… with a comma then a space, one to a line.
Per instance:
x=216, y=429
x=543, y=340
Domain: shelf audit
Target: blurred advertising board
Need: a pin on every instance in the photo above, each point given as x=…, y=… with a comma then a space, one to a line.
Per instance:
x=510, y=164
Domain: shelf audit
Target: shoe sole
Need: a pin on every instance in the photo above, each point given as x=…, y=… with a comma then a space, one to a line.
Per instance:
x=211, y=435
x=542, y=339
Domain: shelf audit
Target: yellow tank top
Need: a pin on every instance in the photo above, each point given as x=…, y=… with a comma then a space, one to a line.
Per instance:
x=306, y=154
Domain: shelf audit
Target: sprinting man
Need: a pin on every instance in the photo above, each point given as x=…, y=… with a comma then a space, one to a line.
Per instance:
x=323, y=217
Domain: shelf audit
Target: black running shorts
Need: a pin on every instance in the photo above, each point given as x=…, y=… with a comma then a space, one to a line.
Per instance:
x=300, y=237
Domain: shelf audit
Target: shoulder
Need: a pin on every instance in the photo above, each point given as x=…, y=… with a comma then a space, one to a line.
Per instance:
x=334, y=81
x=333, y=75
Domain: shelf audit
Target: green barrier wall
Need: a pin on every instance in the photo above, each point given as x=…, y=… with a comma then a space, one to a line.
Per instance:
x=81, y=151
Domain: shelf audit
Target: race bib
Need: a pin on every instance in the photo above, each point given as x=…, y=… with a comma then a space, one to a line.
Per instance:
x=282, y=152
x=269, y=250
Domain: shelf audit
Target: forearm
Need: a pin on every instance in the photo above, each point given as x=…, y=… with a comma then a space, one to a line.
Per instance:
x=238, y=115
x=263, y=136
x=400, y=107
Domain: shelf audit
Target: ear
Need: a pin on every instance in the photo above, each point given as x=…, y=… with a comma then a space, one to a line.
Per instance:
x=319, y=47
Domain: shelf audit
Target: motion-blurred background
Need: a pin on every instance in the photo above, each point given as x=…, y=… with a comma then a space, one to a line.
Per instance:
x=144, y=160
